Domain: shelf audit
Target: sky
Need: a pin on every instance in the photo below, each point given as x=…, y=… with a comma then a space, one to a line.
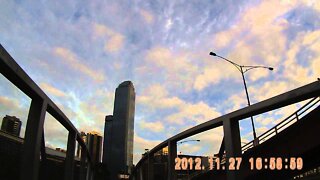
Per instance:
x=78, y=52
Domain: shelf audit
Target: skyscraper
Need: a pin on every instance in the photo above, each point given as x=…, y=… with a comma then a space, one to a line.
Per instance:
x=84, y=138
x=118, y=133
x=94, y=144
x=11, y=125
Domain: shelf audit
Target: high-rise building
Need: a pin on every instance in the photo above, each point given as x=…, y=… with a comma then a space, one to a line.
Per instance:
x=94, y=144
x=107, y=139
x=11, y=125
x=118, y=133
x=84, y=138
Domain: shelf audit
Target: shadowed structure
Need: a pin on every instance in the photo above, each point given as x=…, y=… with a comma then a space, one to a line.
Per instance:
x=119, y=128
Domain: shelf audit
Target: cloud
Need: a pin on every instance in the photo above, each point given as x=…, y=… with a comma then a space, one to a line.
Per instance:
x=73, y=62
x=269, y=90
x=156, y=97
x=237, y=101
x=164, y=58
x=52, y=90
x=261, y=130
x=210, y=142
x=147, y=16
x=198, y=113
x=152, y=126
x=213, y=73
x=140, y=144
x=114, y=40
x=55, y=134
x=256, y=38
x=90, y=114
x=177, y=68
x=8, y=102
x=294, y=71
x=15, y=106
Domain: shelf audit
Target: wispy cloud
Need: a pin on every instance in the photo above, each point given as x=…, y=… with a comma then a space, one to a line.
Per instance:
x=52, y=90
x=114, y=40
x=147, y=16
x=74, y=63
x=152, y=126
x=80, y=52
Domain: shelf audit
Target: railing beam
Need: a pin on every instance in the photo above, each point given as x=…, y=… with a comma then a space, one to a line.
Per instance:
x=69, y=163
x=32, y=140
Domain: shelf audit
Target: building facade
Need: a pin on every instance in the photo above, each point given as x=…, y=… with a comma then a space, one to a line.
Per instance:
x=94, y=144
x=84, y=138
x=119, y=132
x=11, y=125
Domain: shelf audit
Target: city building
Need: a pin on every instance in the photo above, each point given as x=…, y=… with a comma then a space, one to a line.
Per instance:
x=94, y=144
x=118, y=133
x=84, y=137
x=11, y=125
x=107, y=141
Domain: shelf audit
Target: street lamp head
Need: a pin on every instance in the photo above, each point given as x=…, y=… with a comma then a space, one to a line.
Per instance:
x=212, y=54
x=270, y=68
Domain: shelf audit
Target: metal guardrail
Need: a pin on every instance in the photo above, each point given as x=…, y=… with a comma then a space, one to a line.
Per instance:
x=271, y=132
x=34, y=142
x=294, y=117
x=230, y=123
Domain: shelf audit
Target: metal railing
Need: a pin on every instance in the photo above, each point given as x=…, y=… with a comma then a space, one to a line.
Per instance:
x=230, y=123
x=294, y=117
x=34, y=142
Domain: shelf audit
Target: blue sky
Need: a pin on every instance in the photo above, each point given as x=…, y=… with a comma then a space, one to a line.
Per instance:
x=79, y=51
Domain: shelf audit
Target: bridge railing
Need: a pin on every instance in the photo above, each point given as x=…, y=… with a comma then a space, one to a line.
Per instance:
x=294, y=117
x=34, y=142
x=230, y=122
x=285, y=123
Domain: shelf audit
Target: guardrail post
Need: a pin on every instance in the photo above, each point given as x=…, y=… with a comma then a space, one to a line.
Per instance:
x=297, y=116
x=88, y=170
x=33, y=135
x=140, y=173
x=232, y=146
x=90, y=173
x=83, y=158
x=69, y=162
x=150, y=167
x=172, y=154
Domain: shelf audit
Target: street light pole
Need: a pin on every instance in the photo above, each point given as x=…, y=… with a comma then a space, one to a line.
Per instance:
x=243, y=69
x=245, y=87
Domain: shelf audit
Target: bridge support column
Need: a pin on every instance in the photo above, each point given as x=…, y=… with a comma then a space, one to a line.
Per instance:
x=150, y=166
x=172, y=154
x=88, y=170
x=69, y=162
x=83, y=159
x=232, y=144
x=140, y=173
x=32, y=140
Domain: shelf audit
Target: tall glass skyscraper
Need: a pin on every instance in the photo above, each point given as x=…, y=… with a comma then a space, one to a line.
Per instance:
x=119, y=132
